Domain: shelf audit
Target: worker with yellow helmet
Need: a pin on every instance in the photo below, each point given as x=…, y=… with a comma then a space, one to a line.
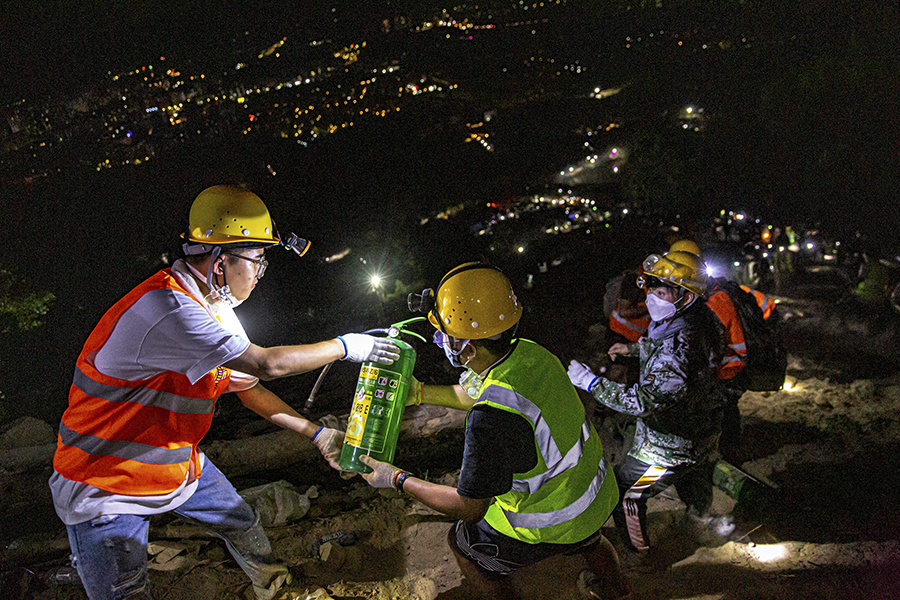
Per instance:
x=732, y=371
x=676, y=402
x=144, y=393
x=534, y=482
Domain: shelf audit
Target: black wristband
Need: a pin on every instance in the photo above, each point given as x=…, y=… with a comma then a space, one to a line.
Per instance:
x=400, y=479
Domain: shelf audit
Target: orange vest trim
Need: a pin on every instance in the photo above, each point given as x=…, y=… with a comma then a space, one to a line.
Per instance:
x=631, y=329
x=766, y=304
x=140, y=437
x=735, y=344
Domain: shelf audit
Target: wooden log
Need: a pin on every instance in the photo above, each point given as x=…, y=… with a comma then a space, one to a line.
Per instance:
x=284, y=448
x=259, y=453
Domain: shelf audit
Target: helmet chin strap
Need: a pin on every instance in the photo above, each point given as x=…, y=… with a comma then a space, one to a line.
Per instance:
x=681, y=308
x=218, y=295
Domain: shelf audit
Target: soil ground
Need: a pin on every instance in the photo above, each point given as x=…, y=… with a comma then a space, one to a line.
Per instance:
x=829, y=528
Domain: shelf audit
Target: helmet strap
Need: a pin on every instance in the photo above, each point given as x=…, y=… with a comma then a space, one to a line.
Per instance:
x=681, y=300
x=218, y=294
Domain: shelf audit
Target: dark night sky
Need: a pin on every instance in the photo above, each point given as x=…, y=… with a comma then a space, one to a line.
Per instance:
x=52, y=46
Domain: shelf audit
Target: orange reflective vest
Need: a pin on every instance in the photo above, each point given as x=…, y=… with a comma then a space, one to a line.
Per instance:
x=735, y=345
x=632, y=329
x=766, y=304
x=140, y=437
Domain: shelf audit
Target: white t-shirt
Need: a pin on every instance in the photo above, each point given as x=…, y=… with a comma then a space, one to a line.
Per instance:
x=164, y=330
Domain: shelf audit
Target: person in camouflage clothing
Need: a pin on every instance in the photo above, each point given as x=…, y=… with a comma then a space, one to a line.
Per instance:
x=677, y=401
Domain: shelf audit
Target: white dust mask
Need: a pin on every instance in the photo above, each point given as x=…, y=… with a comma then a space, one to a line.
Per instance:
x=660, y=309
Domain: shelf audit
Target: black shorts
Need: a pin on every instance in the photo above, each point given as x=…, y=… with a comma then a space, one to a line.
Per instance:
x=496, y=554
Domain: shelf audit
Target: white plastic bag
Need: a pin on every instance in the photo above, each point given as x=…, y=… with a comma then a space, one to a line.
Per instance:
x=278, y=503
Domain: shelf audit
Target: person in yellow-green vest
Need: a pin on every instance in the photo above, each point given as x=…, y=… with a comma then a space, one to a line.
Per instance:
x=534, y=482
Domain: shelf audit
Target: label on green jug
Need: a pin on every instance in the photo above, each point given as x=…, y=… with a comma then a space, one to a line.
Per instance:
x=373, y=403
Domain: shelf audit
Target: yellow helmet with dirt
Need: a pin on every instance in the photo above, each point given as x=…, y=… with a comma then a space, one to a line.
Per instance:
x=475, y=301
x=683, y=269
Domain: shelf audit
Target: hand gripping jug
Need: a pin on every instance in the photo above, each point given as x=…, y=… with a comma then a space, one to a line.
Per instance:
x=374, y=424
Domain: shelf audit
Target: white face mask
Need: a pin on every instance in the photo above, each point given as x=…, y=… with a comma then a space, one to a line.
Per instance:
x=659, y=309
x=445, y=342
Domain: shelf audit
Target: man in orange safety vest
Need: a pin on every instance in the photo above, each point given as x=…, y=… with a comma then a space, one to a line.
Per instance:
x=144, y=393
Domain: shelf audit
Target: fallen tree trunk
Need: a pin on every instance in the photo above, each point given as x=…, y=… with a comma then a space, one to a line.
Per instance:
x=263, y=452
x=284, y=448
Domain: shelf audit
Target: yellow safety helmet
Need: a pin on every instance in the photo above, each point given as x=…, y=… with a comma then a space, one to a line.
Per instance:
x=685, y=246
x=226, y=214
x=683, y=269
x=474, y=301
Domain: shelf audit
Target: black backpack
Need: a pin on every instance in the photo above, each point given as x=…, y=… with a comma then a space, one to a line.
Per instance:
x=766, y=357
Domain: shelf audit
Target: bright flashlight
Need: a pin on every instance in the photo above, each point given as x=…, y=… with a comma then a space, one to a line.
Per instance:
x=375, y=280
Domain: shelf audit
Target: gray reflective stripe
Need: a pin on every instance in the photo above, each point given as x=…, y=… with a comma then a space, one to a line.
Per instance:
x=619, y=318
x=546, y=443
x=738, y=347
x=143, y=453
x=730, y=359
x=563, y=515
x=141, y=395
x=533, y=484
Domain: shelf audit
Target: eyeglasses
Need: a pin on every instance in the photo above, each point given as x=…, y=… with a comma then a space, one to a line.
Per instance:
x=261, y=264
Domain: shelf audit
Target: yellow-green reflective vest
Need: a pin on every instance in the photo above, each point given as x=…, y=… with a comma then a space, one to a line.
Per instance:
x=571, y=492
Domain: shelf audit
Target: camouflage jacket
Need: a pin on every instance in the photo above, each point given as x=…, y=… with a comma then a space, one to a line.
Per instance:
x=678, y=399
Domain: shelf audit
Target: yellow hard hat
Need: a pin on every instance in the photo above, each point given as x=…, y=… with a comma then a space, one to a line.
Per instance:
x=683, y=269
x=475, y=301
x=685, y=246
x=226, y=214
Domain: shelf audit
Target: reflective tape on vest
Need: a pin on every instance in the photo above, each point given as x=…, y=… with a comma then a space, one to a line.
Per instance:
x=563, y=515
x=570, y=460
x=545, y=442
x=144, y=396
x=555, y=461
x=135, y=451
x=631, y=330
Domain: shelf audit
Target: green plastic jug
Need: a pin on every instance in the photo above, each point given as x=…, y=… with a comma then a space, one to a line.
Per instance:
x=378, y=405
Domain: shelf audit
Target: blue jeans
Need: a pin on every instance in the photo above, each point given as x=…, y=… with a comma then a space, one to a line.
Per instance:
x=111, y=550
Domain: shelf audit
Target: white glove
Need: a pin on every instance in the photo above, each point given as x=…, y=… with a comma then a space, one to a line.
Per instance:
x=360, y=347
x=581, y=376
x=330, y=442
x=382, y=475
